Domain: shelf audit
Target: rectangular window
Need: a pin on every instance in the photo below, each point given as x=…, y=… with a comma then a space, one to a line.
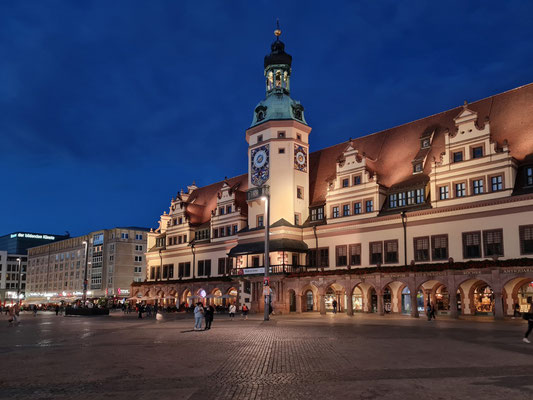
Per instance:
x=220, y=210
x=300, y=192
x=526, y=239
x=471, y=245
x=235, y=229
x=260, y=221
x=255, y=261
x=281, y=135
x=391, y=251
x=322, y=255
x=402, y=201
x=393, y=200
x=477, y=152
x=421, y=248
x=207, y=267
x=139, y=237
x=179, y=239
x=493, y=242
x=345, y=182
x=369, y=205
x=496, y=183
x=376, y=253
x=228, y=209
x=152, y=273
x=357, y=180
x=444, y=193
x=529, y=176
x=439, y=247
x=201, y=268
x=215, y=233
x=460, y=189
x=355, y=254
x=221, y=266
x=357, y=208
x=259, y=138
x=341, y=256
x=411, y=197
x=420, y=195
x=477, y=186
x=228, y=230
x=222, y=232
x=457, y=156
x=345, y=210
x=335, y=212
x=165, y=271
x=125, y=236
x=281, y=150
x=417, y=168
x=296, y=219
x=170, y=271
x=317, y=214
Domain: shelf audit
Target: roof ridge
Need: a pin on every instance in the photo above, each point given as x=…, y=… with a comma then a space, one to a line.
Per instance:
x=221, y=181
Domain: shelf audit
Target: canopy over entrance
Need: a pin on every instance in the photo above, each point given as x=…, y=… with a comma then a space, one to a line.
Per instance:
x=292, y=245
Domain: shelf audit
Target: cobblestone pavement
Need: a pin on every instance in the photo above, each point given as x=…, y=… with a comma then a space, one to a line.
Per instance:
x=289, y=357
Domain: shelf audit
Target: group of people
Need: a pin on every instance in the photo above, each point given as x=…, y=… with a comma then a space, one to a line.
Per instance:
x=207, y=314
x=148, y=309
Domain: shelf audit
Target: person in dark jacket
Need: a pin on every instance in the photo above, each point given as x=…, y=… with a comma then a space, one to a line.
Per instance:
x=209, y=314
x=529, y=317
x=140, y=309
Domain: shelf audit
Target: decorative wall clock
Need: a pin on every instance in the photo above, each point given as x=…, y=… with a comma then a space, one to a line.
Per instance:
x=300, y=158
x=260, y=164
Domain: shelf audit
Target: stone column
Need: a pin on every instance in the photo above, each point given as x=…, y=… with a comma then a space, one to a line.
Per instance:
x=349, y=305
x=381, y=310
x=454, y=312
x=298, y=303
x=322, y=304
x=414, y=305
x=498, y=306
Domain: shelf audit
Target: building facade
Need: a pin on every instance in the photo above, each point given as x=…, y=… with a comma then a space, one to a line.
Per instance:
x=437, y=211
x=13, y=256
x=115, y=259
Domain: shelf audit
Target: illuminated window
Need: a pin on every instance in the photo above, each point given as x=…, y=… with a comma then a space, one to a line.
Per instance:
x=444, y=193
x=335, y=213
x=357, y=208
x=496, y=183
x=529, y=176
x=477, y=186
x=393, y=200
x=369, y=206
x=345, y=210
x=460, y=189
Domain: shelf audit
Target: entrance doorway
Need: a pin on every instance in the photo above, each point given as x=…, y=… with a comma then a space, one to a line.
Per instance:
x=357, y=300
x=309, y=300
x=484, y=300
x=406, y=301
x=292, y=301
x=373, y=300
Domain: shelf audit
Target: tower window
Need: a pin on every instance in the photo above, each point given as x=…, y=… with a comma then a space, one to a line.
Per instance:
x=281, y=135
x=300, y=192
x=298, y=136
x=281, y=150
x=260, y=115
x=259, y=138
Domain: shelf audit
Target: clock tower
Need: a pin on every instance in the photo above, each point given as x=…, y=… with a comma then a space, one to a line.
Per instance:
x=278, y=145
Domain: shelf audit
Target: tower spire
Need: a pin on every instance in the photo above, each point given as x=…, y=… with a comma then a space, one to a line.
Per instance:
x=277, y=31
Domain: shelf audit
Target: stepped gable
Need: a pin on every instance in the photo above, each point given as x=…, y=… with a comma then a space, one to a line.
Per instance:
x=204, y=199
x=390, y=152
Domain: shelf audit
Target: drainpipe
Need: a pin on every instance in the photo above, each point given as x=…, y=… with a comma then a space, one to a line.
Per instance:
x=404, y=223
x=316, y=246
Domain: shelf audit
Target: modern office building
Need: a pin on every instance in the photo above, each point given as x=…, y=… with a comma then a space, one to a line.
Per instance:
x=13, y=257
x=115, y=259
x=438, y=210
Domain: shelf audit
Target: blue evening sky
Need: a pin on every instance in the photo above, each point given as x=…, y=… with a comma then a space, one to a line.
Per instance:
x=108, y=108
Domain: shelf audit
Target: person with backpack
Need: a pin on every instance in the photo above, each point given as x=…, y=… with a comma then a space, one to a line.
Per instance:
x=198, y=316
x=245, y=311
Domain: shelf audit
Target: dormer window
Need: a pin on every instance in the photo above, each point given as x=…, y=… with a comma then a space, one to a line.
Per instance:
x=260, y=115
x=529, y=176
x=477, y=152
x=425, y=143
x=297, y=111
x=317, y=214
x=417, y=168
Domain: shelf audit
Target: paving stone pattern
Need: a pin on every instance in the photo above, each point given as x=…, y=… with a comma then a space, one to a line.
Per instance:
x=290, y=357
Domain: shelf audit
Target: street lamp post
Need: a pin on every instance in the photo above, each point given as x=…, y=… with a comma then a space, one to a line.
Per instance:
x=84, y=298
x=19, y=280
x=266, y=286
x=404, y=223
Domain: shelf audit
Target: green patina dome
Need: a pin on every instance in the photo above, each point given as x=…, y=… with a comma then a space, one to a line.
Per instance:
x=278, y=106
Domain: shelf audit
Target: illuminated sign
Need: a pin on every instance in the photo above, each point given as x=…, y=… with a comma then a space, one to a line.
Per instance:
x=123, y=291
x=98, y=238
x=32, y=236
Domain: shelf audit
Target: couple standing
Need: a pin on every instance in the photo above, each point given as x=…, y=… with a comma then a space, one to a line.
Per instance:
x=200, y=313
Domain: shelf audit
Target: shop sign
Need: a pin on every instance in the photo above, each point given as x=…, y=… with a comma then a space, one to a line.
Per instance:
x=123, y=291
x=32, y=236
x=252, y=271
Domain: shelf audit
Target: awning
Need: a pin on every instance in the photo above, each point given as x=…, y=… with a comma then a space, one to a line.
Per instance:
x=292, y=245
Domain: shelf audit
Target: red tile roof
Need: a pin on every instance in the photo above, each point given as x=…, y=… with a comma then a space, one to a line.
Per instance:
x=390, y=152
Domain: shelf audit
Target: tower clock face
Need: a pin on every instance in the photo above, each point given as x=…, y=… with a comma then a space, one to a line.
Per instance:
x=300, y=158
x=259, y=165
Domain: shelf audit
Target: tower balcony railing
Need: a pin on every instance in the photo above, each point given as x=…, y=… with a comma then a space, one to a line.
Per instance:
x=276, y=269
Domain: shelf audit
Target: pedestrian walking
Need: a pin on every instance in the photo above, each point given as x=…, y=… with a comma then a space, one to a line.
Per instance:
x=529, y=318
x=245, y=311
x=12, y=317
x=334, y=304
x=35, y=310
x=431, y=312
x=198, y=316
x=232, y=310
x=57, y=309
x=209, y=315
x=140, y=309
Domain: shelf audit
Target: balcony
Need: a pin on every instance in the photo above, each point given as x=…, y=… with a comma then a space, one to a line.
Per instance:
x=274, y=270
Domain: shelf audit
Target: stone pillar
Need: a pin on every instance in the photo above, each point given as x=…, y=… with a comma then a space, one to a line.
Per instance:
x=498, y=306
x=322, y=304
x=349, y=305
x=298, y=303
x=381, y=310
x=454, y=312
x=414, y=305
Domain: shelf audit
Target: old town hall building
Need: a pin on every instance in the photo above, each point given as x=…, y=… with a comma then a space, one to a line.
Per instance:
x=439, y=210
